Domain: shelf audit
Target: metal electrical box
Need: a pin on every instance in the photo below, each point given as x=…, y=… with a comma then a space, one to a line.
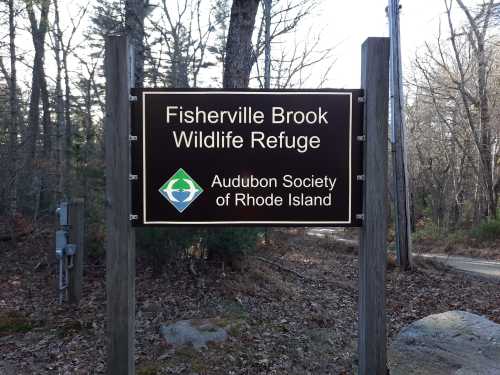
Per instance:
x=63, y=214
x=61, y=242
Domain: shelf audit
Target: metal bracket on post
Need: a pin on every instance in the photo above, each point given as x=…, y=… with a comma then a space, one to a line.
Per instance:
x=132, y=98
x=133, y=177
x=360, y=177
x=132, y=138
x=361, y=138
x=361, y=99
x=132, y=217
x=360, y=216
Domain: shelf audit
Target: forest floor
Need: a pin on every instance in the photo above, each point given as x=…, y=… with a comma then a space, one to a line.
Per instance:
x=468, y=248
x=439, y=245
x=301, y=322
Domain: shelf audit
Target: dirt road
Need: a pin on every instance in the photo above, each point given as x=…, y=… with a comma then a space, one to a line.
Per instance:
x=489, y=268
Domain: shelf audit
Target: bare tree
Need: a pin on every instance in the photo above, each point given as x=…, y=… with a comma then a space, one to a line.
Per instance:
x=180, y=42
x=13, y=123
x=60, y=119
x=455, y=90
x=222, y=13
x=294, y=66
x=39, y=30
x=62, y=45
x=289, y=58
x=481, y=127
x=134, y=25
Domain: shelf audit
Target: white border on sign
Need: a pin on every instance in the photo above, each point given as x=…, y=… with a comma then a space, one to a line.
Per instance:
x=299, y=222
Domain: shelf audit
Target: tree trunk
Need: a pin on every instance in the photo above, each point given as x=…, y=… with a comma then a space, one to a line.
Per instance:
x=239, y=57
x=88, y=137
x=46, y=192
x=479, y=28
x=68, y=131
x=267, y=49
x=38, y=33
x=13, y=124
x=485, y=128
x=237, y=67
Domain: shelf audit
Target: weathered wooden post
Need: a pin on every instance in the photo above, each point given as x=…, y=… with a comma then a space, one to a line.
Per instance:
x=372, y=257
x=76, y=236
x=120, y=237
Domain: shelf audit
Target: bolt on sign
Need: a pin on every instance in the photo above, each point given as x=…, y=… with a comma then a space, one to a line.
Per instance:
x=226, y=157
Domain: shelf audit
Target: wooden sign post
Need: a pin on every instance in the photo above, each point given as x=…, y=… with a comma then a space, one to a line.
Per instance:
x=373, y=241
x=76, y=236
x=120, y=236
x=173, y=193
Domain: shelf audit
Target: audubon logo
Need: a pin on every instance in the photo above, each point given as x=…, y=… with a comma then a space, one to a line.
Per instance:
x=180, y=190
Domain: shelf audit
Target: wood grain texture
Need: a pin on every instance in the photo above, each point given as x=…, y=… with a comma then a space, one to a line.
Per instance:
x=77, y=237
x=373, y=245
x=120, y=237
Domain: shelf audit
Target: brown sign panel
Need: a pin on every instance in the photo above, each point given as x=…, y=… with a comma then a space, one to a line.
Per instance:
x=213, y=157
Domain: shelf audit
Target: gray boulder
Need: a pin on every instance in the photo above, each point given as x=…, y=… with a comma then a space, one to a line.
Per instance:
x=195, y=333
x=454, y=342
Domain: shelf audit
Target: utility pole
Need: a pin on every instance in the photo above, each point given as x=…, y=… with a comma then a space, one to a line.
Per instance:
x=267, y=43
x=398, y=143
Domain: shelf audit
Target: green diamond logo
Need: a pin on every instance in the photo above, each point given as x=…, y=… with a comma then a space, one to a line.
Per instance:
x=180, y=190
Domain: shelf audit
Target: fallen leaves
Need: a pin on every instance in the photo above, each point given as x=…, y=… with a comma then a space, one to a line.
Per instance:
x=289, y=324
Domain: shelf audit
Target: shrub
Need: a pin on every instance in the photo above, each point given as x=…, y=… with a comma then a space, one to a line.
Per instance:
x=162, y=245
x=230, y=241
x=427, y=230
x=14, y=322
x=487, y=231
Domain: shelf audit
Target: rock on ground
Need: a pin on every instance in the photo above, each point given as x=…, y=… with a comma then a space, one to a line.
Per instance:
x=196, y=333
x=454, y=342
